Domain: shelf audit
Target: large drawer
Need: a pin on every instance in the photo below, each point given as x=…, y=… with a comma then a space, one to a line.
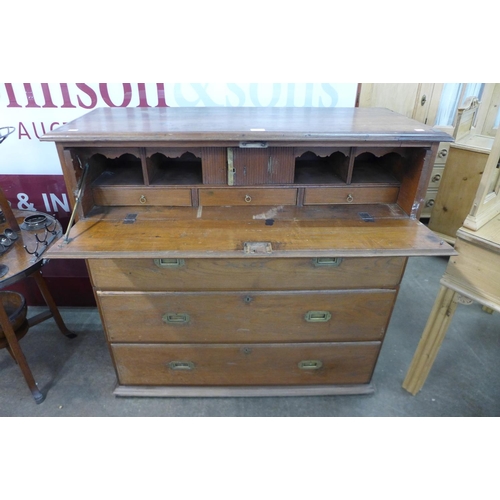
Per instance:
x=245, y=365
x=246, y=317
x=246, y=274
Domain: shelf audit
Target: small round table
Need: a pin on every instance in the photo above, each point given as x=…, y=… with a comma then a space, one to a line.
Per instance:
x=22, y=257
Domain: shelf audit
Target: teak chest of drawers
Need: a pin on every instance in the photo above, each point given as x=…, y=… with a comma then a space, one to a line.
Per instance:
x=246, y=251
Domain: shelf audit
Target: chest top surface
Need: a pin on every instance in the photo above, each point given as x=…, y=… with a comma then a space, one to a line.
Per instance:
x=244, y=123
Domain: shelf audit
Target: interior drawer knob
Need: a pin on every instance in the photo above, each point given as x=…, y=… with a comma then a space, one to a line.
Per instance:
x=143, y=199
x=349, y=198
x=248, y=198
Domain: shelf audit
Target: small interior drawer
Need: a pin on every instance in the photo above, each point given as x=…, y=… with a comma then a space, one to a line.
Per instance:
x=350, y=195
x=141, y=196
x=247, y=196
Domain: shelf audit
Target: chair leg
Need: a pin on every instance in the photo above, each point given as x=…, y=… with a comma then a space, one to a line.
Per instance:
x=52, y=305
x=18, y=355
x=9, y=350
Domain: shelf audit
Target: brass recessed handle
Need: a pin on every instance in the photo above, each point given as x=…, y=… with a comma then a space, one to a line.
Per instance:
x=327, y=261
x=310, y=364
x=176, y=318
x=248, y=198
x=317, y=316
x=169, y=263
x=142, y=199
x=181, y=365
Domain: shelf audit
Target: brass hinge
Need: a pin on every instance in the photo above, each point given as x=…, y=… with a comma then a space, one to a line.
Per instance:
x=230, y=167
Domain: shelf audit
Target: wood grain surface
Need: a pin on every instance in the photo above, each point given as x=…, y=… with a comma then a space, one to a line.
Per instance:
x=256, y=364
x=246, y=274
x=226, y=124
x=225, y=238
x=252, y=316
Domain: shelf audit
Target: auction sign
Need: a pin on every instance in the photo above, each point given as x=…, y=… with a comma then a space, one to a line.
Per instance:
x=30, y=172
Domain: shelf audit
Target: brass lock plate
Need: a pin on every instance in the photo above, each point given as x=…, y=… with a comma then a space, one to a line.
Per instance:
x=257, y=247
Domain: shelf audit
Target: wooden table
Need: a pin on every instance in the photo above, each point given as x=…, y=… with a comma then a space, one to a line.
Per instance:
x=21, y=263
x=472, y=275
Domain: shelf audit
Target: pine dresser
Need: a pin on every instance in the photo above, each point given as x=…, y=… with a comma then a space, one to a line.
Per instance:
x=246, y=251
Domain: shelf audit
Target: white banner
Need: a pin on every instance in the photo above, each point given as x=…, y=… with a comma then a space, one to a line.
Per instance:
x=36, y=108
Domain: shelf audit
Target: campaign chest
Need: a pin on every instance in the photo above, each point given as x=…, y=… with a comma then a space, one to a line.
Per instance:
x=246, y=251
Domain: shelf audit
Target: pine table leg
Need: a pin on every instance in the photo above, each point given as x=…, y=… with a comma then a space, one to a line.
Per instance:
x=432, y=338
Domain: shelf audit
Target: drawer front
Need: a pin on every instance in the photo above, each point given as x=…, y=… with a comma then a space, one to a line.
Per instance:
x=245, y=365
x=350, y=195
x=246, y=317
x=436, y=176
x=442, y=155
x=250, y=196
x=429, y=201
x=246, y=274
x=145, y=196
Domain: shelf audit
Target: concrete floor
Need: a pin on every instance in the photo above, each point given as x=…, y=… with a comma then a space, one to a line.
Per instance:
x=78, y=378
